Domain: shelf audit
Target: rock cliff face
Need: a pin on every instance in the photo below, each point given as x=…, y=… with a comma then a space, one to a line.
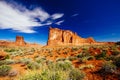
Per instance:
x=20, y=41
x=65, y=37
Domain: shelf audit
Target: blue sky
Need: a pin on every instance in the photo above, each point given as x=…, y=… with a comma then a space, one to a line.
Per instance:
x=32, y=18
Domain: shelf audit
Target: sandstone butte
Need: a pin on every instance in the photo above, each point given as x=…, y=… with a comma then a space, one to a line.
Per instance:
x=67, y=37
x=18, y=42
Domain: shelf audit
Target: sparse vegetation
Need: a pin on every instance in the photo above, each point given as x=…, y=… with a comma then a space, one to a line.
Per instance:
x=75, y=74
x=107, y=68
x=4, y=70
x=101, y=55
x=61, y=63
x=33, y=65
x=87, y=66
x=25, y=60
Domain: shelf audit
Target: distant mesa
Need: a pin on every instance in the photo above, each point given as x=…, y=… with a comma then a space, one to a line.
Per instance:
x=67, y=37
x=19, y=42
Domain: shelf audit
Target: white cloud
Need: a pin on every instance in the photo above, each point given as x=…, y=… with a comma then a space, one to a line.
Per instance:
x=22, y=19
x=57, y=16
x=59, y=22
x=74, y=15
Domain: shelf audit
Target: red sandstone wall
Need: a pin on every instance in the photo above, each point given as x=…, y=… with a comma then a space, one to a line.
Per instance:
x=65, y=37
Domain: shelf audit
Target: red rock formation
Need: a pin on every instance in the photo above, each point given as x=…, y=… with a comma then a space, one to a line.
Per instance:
x=65, y=37
x=20, y=41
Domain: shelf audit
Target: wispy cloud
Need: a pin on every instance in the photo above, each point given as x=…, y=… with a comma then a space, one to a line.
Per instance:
x=59, y=22
x=57, y=16
x=74, y=15
x=22, y=19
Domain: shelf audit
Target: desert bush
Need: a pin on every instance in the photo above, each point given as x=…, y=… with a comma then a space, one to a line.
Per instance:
x=71, y=58
x=76, y=74
x=40, y=59
x=7, y=61
x=2, y=62
x=115, y=52
x=63, y=65
x=32, y=76
x=107, y=67
x=117, y=61
x=82, y=54
x=17, y=53
x=49, y=62
x=87, y=66
x=9, y=50
x=7, y=56
x=102, y=55
x=33, y=65
x=58, y=75
x=74, y=48
x=25, y=60
x=45, y=75
x=111, y=57
x=86, y=58
x=60, y=59
x=4, y=70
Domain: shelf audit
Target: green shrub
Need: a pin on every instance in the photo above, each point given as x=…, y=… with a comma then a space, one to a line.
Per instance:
x=4, y=70
x=25, y=60
x=71, y=58
x=32, y=76
x=60, y=59
x=63, y=65
x=58, y=75
x=74, y=48
x=75, y=74
x=2, y=62
x=86, y=58
x=33, y=65
x=7, y=61
x=111, y=57
x=83, y=54
x=45, y=75
x=9, y=50
x=88, y=66
x=115, y=52
x=40, y=59
x=7, y=57
x=102, y=55
x=107, y=68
